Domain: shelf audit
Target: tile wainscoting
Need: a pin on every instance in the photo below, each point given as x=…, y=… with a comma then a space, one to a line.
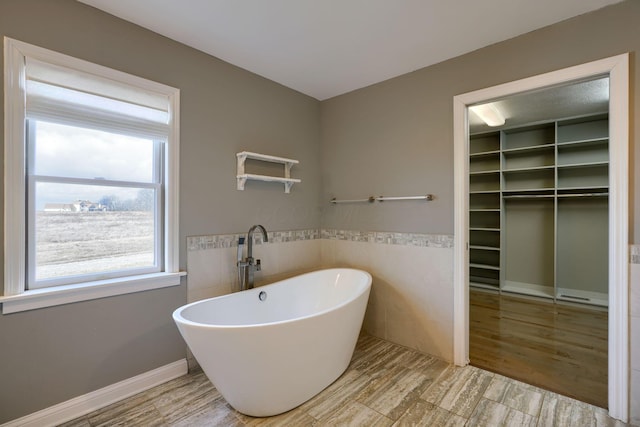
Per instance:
x=411, y=301
x=211, y=260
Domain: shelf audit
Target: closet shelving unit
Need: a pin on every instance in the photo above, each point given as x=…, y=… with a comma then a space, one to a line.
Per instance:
x=538, y=209
x=484, y=210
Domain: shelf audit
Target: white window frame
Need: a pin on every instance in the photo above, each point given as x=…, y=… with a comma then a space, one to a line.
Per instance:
x=16, y=295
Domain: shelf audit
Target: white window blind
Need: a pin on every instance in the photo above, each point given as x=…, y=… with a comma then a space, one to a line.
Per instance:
x=64, y=95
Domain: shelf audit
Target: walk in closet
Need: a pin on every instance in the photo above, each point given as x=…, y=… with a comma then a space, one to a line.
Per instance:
x=538, y=209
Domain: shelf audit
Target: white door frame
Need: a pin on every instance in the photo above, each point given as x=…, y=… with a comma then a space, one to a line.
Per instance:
x=617, y=67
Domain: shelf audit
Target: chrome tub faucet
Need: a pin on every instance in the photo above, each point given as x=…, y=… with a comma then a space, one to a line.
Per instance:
x=247, y=266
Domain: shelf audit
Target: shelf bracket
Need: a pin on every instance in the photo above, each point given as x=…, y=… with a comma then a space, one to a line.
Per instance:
x=287, y=186
x=242, y=180
x=242, y=157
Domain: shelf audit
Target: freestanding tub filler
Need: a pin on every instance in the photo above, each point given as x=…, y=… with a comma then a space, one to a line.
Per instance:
x=269, y=349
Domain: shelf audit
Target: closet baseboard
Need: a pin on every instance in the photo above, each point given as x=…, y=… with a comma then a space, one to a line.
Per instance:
x=530, y=289
x=584, y=297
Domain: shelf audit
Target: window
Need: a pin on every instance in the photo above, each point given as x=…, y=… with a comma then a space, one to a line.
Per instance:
x=90, y=180
x=93, y=204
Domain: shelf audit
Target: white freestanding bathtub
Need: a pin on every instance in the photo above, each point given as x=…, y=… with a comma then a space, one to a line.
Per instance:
x=269, y=349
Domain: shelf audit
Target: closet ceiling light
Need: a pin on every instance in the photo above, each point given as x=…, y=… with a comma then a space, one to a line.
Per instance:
x=489, y=114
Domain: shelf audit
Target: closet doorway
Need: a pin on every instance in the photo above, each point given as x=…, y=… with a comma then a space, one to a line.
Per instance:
x=541, y=223
x=538, y=239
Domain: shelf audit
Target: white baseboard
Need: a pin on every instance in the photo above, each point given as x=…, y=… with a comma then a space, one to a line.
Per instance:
x=584, y=297
x=82, y=405
x=532, y=289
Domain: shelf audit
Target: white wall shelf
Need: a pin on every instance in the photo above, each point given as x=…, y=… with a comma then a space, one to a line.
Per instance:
x=242, y=177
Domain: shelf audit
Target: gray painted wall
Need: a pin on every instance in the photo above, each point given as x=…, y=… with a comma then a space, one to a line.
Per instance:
x=54, y=354
x=396, y=137
x=392, y=138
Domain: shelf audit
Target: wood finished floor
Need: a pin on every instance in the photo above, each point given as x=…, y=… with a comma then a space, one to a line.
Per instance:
x=557, y=347
x=385, y=385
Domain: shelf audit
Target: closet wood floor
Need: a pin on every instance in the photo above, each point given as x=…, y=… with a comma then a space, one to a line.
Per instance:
x=557, y=347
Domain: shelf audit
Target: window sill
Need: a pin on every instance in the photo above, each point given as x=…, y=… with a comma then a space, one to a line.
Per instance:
x=58, y=295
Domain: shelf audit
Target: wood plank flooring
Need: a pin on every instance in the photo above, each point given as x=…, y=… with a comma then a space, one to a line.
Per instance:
x=553, y=346
x=385, y=385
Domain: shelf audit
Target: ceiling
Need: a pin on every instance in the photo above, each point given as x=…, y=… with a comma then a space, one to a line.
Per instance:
x=324, y=48
x=570, y=100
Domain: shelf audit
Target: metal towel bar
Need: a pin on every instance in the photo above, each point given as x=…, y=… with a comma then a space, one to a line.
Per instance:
x=371, y=199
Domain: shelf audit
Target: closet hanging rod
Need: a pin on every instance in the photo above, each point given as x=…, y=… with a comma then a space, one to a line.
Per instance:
x=371, y=199
x=548, y=196
x=584, y=195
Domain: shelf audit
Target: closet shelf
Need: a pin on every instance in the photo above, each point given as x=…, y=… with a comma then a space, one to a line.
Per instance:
x=487, y=172
x=483, y=285
x=534, y=168
x=485, y=266
x=584, y=189
x=542, y=190
x=592, y=141
x=243, y=177
x=530, y=148
x=583, y=165
x=484, y=248
x=529, y=196
x=485, y=192
x=484, y=153
x=584, y=195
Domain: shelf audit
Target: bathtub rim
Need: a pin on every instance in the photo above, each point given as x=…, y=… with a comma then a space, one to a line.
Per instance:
x=178, y=318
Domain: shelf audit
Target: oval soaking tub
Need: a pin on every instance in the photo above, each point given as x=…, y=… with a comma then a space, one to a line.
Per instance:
x=271, y=348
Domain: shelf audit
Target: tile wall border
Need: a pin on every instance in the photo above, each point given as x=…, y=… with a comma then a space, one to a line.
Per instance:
x=390, y=238
x=216, y=241
x=634, y=254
